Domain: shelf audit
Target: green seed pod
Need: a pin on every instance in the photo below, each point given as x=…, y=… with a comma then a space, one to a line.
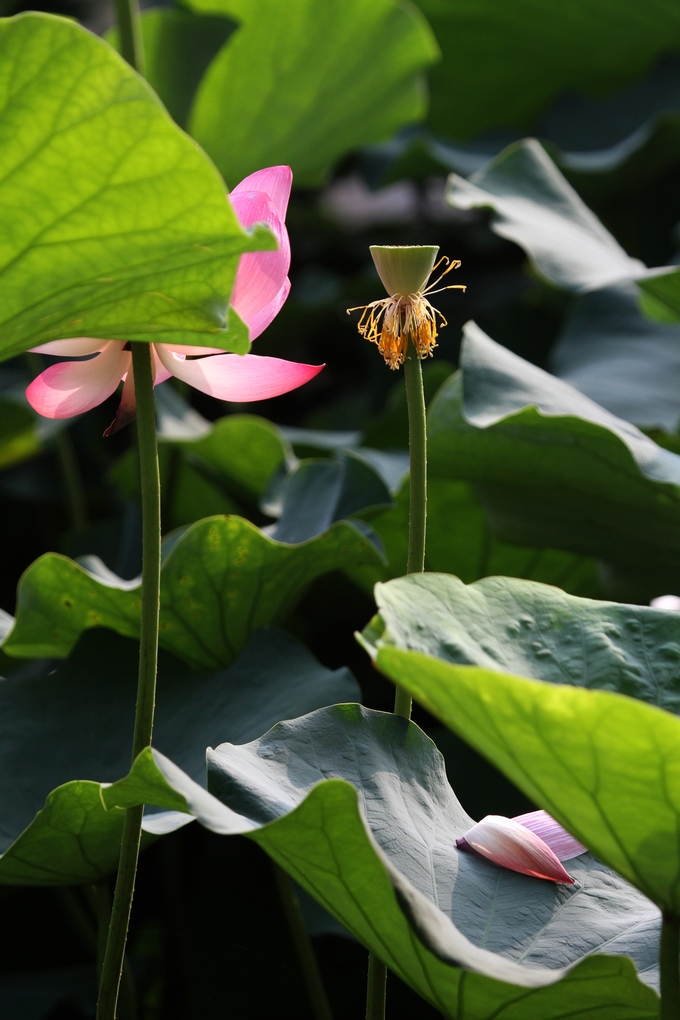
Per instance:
x=404, y=269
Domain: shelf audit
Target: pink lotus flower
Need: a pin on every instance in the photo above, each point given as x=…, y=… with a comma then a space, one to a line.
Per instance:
x=533, y=844
x=260, y=289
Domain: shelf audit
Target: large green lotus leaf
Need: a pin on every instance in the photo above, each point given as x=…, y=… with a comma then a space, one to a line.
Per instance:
x=178, y=47
x=604, y=765
x=552, y=467
x=504, y=64
x=306, y=84
x=460, y=541
x=114, y=223
x=620, y=358
x=355, y=806
x=533, y=630
x=221, y=580
x=535, y=206
x=77, y=726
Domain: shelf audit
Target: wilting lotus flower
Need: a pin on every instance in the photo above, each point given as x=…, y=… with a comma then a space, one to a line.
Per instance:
x=260, y=289
x=533, y=844
x=406, y=316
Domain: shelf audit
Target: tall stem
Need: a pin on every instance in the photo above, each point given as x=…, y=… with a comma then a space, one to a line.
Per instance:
x=417, y=518
x=146, y=686
x=417, y=443
x=670, y=967
x=130, y=33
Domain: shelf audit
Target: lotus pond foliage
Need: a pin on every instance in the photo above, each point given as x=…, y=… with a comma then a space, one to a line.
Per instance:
x=337, y=685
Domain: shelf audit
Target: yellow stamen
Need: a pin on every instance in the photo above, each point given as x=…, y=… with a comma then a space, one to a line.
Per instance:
x=392, y=322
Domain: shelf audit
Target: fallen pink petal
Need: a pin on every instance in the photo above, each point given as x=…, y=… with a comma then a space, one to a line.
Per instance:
x=512, y=845
x=561, y=842
x=666, y=602
x=260, y=290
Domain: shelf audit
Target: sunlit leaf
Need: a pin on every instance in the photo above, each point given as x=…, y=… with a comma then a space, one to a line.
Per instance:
x=178, y=47
x=115, y=224
x=307, y=83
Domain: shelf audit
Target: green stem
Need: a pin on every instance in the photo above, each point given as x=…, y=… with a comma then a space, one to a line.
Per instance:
x=669, y=958
x=146, y=687
x=376, y=988
x=303, y=946
x=130, y=33
x=417, y=442
x=417, y=519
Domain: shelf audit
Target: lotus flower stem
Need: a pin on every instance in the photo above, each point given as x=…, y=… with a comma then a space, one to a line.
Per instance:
x=131, y=47
x=146, y=688
x=417, y=442
x=417, y=519
x=670, y=967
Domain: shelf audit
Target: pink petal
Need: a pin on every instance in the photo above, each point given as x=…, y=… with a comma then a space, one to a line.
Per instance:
x=666, y=602
x=261, y=274
x=239, y=378
x=127, y=409
x=259, y=320
x=73, y=387
x=275, y=181
x=562, y=843
x=74, y=348
x=186, y=350
x=160, y=372
x=511, y=845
